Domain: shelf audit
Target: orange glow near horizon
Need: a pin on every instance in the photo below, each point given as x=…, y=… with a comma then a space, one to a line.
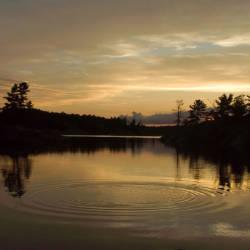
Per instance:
x=123, y=57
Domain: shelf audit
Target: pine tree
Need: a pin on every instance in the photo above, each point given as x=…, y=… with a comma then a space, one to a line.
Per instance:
x=197, y=112
x=17, y=98
x=239, y=106
x=224, y=106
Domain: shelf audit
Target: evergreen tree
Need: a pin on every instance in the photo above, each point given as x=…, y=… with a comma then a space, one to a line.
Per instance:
x=197, y=112
x=239, y=106
x=17, y=98
x=224, y=107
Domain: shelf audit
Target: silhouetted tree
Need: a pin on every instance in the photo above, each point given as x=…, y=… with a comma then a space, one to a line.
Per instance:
x=137, y=117
x=17, y=98
x=223, y=107
x=197, y=112
x=239, y=106
x=179, y=110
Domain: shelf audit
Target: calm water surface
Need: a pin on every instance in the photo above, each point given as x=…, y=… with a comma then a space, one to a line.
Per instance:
x=122, y=193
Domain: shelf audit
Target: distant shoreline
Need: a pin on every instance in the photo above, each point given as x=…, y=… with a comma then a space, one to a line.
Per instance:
x=113, y=136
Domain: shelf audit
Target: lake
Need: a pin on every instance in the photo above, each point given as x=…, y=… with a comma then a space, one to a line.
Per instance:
x=121, y=193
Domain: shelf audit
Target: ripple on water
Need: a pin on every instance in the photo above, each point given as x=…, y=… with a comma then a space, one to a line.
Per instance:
x=110, y=200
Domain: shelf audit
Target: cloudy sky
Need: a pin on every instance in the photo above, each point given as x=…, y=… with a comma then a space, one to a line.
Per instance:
x=111, y=57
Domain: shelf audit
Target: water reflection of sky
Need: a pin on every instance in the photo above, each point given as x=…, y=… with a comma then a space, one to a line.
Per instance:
x=146, y=186
x=138, y=161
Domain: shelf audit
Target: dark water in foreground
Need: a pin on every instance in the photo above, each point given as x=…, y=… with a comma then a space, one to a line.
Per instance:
x=122, y=194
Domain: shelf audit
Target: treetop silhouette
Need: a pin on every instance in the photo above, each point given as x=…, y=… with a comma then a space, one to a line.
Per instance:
x=17, y=98
x=197, y=112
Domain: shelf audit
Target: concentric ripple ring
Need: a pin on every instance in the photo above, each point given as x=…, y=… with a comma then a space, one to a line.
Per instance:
x=115, y=200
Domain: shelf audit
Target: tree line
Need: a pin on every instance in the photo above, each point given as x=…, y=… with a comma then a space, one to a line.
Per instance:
x=220, y=130
x=18, y=111
x=227, y=107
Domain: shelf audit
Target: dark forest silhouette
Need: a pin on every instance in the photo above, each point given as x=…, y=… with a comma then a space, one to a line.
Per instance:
x=20, y=120
x=227, y=108
x=219, y=130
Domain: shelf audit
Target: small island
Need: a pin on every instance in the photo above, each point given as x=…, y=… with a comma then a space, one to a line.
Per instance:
x=223, y=128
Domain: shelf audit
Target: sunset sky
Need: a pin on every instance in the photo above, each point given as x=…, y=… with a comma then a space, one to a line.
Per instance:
x=111, y=57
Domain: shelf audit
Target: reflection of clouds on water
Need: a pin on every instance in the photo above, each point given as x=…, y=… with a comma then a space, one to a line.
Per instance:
x=144, y=187
x=123, y=159
x=228, y=230
x=176, y=231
